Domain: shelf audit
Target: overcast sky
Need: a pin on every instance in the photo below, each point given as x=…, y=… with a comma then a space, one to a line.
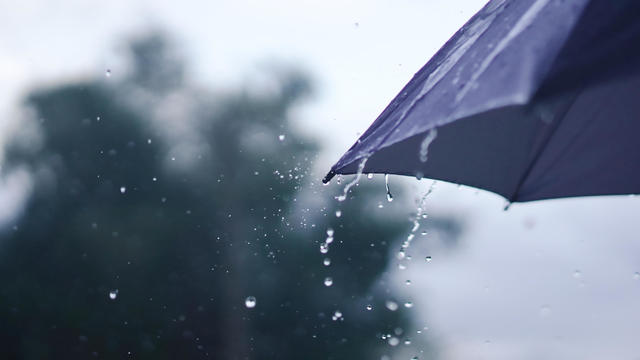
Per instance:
x=547, y=280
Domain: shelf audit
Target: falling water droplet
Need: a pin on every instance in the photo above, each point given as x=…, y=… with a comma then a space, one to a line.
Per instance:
x=393, y=341
x=329, y=240
x=369, y=307
x=408, y=304
x=370, y=176
x=113, y=294
x=545, y=310
x=281, y=137
x=407, y=341
x=250, y=302
x=391, y=305
x=636, y=276
x=386, y=184
x=328, y=281
x=338, y=213
x=424, y=145
x=324, y=248
x=577, y=274
x=107, y=73
x=123, y=189
x=400, y=255
x=343, y=197
x=408, y=282
x=329, y=232
x=326, y=261
x=337, y=315
x=428, y=259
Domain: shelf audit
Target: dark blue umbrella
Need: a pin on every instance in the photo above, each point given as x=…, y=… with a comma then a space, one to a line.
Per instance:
x=531, y=99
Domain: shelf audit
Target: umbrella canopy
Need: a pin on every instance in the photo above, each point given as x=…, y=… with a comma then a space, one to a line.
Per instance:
x=531, y=99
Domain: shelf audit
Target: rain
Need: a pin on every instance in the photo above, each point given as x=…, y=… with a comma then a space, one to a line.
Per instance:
x=233, y=180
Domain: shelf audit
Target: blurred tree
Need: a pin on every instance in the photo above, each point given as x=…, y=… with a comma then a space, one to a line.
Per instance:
x=123, y=250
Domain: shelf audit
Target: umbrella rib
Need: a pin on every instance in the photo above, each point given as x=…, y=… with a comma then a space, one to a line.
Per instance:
x=542, y=146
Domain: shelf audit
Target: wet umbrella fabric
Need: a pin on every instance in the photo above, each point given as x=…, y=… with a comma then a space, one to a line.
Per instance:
x=531, y=99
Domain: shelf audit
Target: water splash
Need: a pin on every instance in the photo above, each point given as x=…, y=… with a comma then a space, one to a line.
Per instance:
x=386, y=185
x=419, y=216
x=343, y=197
x=424, y=145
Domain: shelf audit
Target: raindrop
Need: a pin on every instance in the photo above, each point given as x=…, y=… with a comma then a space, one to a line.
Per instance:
x=370, y=176
x=155, y=179
x=545, y=310
x=123, y=189
x=414, y=358
x=393, y=341
x=428, y=259
x=329, y=240
x=391, y=305
x=148, y=141
x=329, y=232
x=577, y=274
x=250, y=302
x=343, y=197
x=324, y=248
x=113, y=294
x=402, y=266
x=400, y=255
x=408, y=304
x=386, y=184
x=281, y=137
x=380, y=206
x=338, y=213
x=326, y=261
x=107, y=73
x=407, y=341
x=636, y=276
x=328, y=281
x=424, y=145
x=369, y=307
x=408, y=282
x=337, y=315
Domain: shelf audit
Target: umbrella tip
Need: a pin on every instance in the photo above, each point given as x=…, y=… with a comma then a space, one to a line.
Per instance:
x=329, y=176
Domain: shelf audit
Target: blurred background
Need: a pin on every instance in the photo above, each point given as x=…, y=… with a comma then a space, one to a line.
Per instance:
x=160, y=198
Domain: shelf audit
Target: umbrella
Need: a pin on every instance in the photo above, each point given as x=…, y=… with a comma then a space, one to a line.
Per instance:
x=530, y=99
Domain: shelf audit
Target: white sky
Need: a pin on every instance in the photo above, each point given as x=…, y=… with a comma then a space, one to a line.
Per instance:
x=510, y=264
